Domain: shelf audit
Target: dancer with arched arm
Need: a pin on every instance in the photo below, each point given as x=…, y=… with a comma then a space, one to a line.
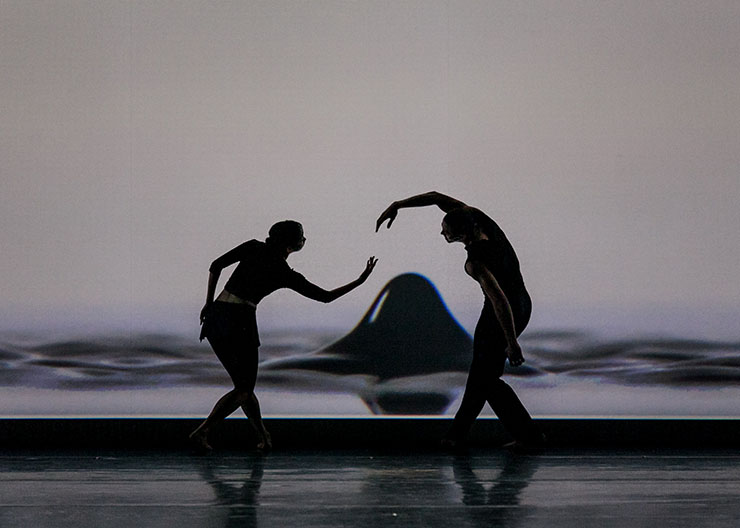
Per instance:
x=492, y=263
x=230, y=322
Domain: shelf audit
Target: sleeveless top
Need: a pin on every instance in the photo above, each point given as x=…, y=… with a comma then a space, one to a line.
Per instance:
x=498, y=256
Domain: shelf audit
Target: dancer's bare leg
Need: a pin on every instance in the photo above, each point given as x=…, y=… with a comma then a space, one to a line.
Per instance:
x=227, y=404
x=251, y=408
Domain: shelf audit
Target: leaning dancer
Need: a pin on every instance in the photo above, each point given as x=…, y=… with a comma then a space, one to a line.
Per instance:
x=493, y=263
x=230, y=323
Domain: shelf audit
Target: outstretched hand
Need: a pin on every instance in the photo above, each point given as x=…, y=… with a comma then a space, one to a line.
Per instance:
x=389, y=214
x=514, y=353
x=371, y=262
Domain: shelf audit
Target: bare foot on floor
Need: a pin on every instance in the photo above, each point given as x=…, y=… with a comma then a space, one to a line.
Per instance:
x=200, y=440
x=264, y=441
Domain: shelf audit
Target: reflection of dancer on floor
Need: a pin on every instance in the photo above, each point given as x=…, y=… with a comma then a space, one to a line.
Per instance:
x=239, y=504
x=493, y=263
x=230, y=323
x=503, y=496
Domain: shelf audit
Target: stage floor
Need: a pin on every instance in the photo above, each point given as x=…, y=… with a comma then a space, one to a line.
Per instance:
x=554, y=487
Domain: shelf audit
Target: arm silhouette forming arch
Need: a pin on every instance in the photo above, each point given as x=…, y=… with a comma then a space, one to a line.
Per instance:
x=444, y=202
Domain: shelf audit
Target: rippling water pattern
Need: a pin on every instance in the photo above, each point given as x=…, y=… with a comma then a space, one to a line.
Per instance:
x=408, y=355
x=126, y=362
x=151, y=361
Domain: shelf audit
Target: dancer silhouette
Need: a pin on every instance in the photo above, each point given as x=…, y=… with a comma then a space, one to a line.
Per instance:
x=230, y=322
x=493, y=263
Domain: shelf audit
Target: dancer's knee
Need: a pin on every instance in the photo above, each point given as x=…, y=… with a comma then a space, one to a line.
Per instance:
x=244, y=396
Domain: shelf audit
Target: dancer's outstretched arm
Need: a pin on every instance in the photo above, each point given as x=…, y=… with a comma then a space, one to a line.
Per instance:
x=501, y=307
x=444, y=202
x=317, y=293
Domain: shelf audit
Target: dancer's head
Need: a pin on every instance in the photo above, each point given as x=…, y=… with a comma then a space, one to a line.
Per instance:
x=459, y=225
x=287, y=234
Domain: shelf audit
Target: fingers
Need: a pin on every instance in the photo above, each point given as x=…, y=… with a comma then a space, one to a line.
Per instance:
x=389, y=214
x=516, y=362
x=382, y=219
x=369, y=265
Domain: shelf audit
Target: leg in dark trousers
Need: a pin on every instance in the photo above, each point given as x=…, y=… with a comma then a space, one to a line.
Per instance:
x=485, y=385
x=472, y=404
x=510, y=410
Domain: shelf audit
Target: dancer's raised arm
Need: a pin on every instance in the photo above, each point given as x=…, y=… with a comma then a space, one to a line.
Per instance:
x=444, y=202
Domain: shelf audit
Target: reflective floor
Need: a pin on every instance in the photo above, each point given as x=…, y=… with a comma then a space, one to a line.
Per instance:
x=488, y=487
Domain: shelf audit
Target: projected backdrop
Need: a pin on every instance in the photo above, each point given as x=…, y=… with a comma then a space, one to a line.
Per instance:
x=142, y=140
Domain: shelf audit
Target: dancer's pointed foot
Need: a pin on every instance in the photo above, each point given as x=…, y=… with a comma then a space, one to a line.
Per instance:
x=199, y=439
x=264, y=441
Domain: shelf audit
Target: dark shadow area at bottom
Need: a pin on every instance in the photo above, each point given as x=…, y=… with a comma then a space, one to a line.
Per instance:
x=351, y=433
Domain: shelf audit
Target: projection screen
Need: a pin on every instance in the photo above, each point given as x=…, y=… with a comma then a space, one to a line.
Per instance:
x=140, y=140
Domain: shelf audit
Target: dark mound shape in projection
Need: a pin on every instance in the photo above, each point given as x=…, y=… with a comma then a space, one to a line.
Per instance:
x=407, y=333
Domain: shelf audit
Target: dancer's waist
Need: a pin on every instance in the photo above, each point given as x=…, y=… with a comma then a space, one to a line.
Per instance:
x=228, y=297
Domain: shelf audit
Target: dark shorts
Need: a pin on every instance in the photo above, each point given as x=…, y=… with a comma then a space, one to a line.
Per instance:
x=231, y=330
